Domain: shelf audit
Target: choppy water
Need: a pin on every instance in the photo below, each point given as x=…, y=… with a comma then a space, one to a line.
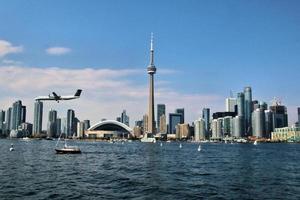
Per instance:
x=148, y=171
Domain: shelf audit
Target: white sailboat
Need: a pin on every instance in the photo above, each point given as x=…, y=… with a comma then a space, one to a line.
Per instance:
x=199, y=148
x=67, y=149
x=148, y=139
x=11, y=147
x=255, y=142
x=180, y=145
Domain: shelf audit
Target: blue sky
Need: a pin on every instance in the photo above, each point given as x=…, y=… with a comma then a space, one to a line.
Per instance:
x=203, y=49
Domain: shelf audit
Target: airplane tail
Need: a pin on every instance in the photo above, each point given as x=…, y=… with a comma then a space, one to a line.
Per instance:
x=78, y=92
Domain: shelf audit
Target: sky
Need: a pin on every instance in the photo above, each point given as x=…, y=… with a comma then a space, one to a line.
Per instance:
x=203, y=50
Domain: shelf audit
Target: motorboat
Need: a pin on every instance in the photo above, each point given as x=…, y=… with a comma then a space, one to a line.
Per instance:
x=68, y=150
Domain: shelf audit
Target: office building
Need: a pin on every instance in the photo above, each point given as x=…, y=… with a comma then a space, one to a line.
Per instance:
x=280, y=117
x=151, y=69
x=286, y=134
x=214, y=127
x=182, y=131
x=299, y=115
x=258, y=122
x=180, y=111
x=80, y=129
x=230, y=104
x=248, y=110
x=26, y=128
x=268, y=123
x=199, y=130
x=87, y=124
x=227, y=126
x=238, y=126
x=241, y=104
x=51, y=125
x=206, y=118
x=161, y=110
x=174, y=119
x=71, y=123
x=163, y=124
x=23, y=114
x=2, y=122
x=58, y=127
x=37, y=118
x=8, y=120
x=16, y=118
x=125, y=118
x=145, y=124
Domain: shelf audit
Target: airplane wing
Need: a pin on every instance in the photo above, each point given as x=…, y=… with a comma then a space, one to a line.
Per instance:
x=56, y=97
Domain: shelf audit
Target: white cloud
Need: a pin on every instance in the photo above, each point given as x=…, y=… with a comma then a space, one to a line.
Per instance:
x=57, y=51
x=106, y=92
x=7, y=48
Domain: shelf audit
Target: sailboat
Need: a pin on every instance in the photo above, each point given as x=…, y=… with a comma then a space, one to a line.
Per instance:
x=11, y=147
x=67, y=149
x=199, y=148
x=255, y=142
x=148, y=139
x=180, y=146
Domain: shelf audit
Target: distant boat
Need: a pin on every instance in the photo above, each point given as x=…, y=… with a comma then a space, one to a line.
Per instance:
x=161, y=144
x=225, y=141
x=11, y=147
x=255, y=142
x=26, y=138
x=148, y=139
x=67, y=149
x=199, y=148
x=180, y=146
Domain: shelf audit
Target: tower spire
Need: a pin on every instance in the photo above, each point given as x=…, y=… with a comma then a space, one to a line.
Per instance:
x=151, y=52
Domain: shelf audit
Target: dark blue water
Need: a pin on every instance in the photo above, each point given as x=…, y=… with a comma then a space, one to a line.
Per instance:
x=147, y=171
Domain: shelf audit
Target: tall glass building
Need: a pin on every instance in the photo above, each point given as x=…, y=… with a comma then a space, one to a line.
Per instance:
x=269, y=123
x=241, y=110
x=258, y=122
x=37, y=118
x=16, y=118
x=124, y=118
x=161, y=110
x=2, y=122
x=206, y=118
x=174, y=119
x=180, y=111
x=248, y=109
x=71, y=123
x=8, y=120
x=299, y=115
x=199, y=129
x=51, y=129
x=230, y=104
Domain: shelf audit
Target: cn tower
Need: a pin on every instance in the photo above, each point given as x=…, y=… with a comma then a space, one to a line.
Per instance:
x=151, y=69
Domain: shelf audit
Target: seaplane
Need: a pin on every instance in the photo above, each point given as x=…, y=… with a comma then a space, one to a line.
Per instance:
x=55, y=97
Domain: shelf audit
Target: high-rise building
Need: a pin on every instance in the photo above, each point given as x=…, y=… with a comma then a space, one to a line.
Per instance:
x=174, y=119
x=268, y=124
x=124, y=118
x=23, y=114
x=87, y=124
x=80, y=129
x=238, y=126
x=145, y=124
x=58, y=127
x=37, y=118
x=2, y=122
x=227, y=126
x=214, y=127
x=199, y=130
x=248, y=110
x=182, y=131
x=180, y=111
x=8, y=120
x=299, y=115
x=151, y=69
x=161, y=110
x=230, y=104
x=163, y=124
x=70, y=123
x=280, y=117
x=206, y=118
x=51, y=126
x=16, y=119
x=241, y=104
x=258, y=122
x=220, y=128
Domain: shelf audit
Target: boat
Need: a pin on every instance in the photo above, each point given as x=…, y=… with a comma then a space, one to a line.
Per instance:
x=180, y=145
x=148, y=139
x=255, y=142
x=67, y=149
x=161, y=144
x=11, y=147
x=199, y=148
x=26, y=138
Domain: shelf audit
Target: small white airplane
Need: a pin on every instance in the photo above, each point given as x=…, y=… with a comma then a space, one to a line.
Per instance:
x=57, y=98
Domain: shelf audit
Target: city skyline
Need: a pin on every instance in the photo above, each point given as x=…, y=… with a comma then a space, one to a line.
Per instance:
x=189, y=60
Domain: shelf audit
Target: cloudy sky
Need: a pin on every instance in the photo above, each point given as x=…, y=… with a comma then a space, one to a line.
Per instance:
x=203, y=50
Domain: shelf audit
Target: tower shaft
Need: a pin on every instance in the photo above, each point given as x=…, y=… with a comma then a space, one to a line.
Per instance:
x=151, y=125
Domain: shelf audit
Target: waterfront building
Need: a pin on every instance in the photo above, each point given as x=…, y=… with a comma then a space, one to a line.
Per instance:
x=238, y=126
x=51, y=126
x=109, y=129
x=182, y=131
x=230, y=104
x=137, y=131
x=180, y=111
x=145, y=124
x=8, y=120
x=86, y=124
x=199, y=130
x=161, y=110
x=268, y=123
x=16, y=118
x=227, y=126
x=64, y=126
x=280, y=117
x=58, y=127
x=151, y=69
x=37, y=118
x=241, y=104
x=125, y=118
x=299, y=115
x=220, y=128
x=2, y=122
x=163, y=124
x=206, y=118
x=258, y=122
x=174, y=119
x=26, y=128
x=70, y=123
x=286, y=134
x=248, y=110
x=214, y=127
x=80, y=129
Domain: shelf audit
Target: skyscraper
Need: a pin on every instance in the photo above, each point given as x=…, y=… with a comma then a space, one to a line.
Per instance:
x=163, y=124
x=299, y=115
x=238, y=126
x=16, y=115
x=161, y=110
x=268, y=124
x=258, y=122
x=230, y=104
x=241, y=111
x=23, y=114
x=8, y=120
x=124, y=118
x=174, y=119
x=180, y=111
x=70, y=122
x=37, y=118
x=248, y=109
x=199, y=129
x=151, y=69
x=280, y=117
x=2, y=120
x=206, y=117
x=145, y=123
x=51, y=128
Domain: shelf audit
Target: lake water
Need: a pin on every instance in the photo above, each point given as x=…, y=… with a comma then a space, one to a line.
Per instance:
x=148, y=171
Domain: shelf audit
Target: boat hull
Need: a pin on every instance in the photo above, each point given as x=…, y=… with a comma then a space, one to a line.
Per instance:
x=68, y=151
